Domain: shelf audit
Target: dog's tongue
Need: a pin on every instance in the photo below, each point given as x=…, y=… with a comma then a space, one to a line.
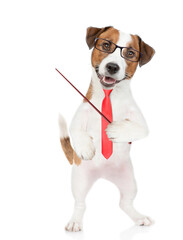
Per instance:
x=109, y=80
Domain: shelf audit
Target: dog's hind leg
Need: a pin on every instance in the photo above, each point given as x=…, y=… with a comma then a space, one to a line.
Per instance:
x=82, y=181
x=125, y=181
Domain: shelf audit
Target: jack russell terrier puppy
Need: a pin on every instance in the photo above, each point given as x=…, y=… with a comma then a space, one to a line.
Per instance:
x=101, y=149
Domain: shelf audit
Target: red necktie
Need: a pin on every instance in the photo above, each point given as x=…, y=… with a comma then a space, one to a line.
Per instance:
x=107, y=146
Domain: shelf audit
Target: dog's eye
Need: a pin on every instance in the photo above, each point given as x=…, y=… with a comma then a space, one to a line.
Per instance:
x=130, y=54
x=106, y=46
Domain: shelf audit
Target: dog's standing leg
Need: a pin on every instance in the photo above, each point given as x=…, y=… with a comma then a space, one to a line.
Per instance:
x=125, y=181
x=82, y=181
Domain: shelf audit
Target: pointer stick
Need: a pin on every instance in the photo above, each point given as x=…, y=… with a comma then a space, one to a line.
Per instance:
x=84, y=96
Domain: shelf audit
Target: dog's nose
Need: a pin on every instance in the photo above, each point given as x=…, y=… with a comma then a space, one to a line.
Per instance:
x=112, y=68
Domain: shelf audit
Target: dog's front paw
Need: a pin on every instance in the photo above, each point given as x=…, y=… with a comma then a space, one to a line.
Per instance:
x=125, y=131
x=73, y=227
x=85, y=148
x=113, y=131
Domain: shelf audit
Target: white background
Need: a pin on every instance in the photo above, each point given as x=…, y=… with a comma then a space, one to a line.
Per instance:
x=35, y=196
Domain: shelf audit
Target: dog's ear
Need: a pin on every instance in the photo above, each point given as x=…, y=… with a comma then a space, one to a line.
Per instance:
x=92, y=33
x=147, y=52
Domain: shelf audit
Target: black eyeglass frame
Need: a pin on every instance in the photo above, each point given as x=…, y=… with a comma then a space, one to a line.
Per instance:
x=121, y=48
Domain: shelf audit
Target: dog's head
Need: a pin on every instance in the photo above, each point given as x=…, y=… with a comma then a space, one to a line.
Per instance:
x=116, y=54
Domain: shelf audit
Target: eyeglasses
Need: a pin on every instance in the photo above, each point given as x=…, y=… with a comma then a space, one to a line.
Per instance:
x=107, y=46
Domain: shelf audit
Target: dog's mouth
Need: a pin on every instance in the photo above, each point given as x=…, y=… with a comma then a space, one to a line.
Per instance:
x=107, y=81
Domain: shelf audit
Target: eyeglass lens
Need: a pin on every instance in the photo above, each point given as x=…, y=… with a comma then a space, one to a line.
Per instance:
x=109, y=47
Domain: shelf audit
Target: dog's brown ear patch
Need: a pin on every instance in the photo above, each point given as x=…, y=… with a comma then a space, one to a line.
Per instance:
x=147, y=52
x=92, y=33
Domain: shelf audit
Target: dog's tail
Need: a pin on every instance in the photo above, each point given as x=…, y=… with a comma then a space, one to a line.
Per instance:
x=65, y=142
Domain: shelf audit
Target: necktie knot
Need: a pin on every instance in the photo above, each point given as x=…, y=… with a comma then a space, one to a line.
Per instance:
x=107, y=92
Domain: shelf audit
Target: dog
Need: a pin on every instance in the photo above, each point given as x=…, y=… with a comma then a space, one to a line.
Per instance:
x=114, y=59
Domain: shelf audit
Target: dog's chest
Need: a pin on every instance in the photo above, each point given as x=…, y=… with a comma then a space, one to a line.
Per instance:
x=120, y=111
x=120, y=102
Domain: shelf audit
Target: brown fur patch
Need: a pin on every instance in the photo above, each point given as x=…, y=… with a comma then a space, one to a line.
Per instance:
x=131, y=66
x=111, y=34
x=77, y=160
x=67, y=148
x=147, y=51
x=92, y=33
x=89, y=92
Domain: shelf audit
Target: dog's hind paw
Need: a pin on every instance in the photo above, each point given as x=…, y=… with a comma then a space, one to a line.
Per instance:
x=144, y=221
x=73, y=227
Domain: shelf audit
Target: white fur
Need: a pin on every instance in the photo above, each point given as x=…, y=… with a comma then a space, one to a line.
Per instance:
x=62, y=127
x=84, y=146
x=125, y=131
x=128, y=125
